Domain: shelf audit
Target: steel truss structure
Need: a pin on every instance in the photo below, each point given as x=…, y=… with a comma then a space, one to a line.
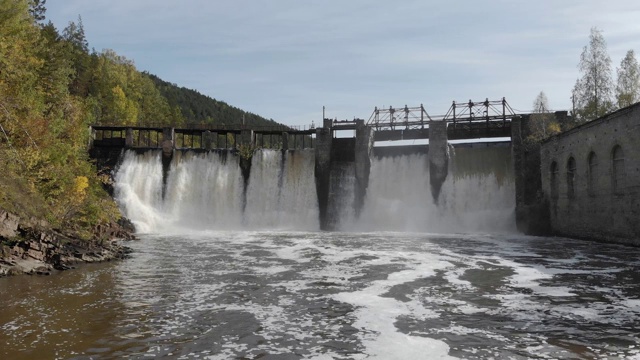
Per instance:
x=460, y=113
x=392, y=118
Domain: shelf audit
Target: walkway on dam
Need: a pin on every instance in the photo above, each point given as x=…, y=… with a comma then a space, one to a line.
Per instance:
x=470, y=120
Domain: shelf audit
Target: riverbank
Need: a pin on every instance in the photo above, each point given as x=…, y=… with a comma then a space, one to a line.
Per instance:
x=30, y=246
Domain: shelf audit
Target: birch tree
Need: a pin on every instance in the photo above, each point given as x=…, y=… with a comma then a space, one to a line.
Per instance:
x=628, y=87
x=592, y=93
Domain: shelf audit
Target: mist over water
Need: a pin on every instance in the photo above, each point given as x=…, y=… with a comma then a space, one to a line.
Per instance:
x=206, y=191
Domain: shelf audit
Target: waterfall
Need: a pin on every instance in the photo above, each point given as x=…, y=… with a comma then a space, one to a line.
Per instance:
x=477, y=195
x=205, y=190
x=282, y=191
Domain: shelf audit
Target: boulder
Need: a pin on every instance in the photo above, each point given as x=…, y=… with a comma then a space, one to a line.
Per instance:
x=8, y=224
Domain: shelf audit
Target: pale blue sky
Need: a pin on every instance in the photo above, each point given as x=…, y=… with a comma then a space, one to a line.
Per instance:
x=285, y=59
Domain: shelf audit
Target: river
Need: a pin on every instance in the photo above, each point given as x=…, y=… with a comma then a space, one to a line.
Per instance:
x=320, y=295
x=227, y=269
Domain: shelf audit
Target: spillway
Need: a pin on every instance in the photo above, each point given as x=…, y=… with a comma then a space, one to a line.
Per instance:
x=207, y=191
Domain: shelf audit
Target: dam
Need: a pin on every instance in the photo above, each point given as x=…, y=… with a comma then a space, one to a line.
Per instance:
x=316, y=179
x=230, y=263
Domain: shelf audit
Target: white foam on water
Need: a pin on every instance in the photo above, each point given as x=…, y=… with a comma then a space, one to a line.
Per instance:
x=376, y=315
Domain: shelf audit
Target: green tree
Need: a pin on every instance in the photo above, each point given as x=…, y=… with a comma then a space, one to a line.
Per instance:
x=74, y=34
x=78, y=53
x=43, y=145
x=593, y=91
x=628, y=86
x=37, y=10
x=19, y=67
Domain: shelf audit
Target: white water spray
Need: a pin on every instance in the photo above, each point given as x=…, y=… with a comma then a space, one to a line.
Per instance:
x=204, y=191
x=399, y=199
x=207, y=191
x=282, y=191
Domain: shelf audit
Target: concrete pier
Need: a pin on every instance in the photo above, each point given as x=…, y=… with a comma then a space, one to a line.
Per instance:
x=168, y=136
x=128, y=142
x=324, y=137
x=363, y=148
x=247, y=138
x=438, y=156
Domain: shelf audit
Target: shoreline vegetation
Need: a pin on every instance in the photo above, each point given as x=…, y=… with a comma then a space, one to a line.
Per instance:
x=55, y=207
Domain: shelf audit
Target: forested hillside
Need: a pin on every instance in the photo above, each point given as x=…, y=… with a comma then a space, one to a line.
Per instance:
x=197, y=108
x=52, y=87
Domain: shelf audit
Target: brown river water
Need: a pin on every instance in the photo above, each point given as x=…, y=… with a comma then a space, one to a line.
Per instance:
x=324, y=295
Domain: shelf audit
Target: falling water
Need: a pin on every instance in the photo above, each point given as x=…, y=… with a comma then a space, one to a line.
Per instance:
x=477, y=196
x=282, y=191
x=206, y=191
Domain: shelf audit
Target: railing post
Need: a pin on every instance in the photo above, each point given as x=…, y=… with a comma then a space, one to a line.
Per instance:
x=486, y=114
x=453, y=106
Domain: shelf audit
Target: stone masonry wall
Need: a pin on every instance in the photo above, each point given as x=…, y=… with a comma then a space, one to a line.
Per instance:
x=597, y=209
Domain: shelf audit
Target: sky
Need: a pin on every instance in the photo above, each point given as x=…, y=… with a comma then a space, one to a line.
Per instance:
x=286, y=59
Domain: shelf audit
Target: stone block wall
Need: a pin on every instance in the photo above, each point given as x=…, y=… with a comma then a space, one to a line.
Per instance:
x=593, y=191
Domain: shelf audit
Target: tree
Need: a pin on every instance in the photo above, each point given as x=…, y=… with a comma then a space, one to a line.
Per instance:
x=593, y=91
x=542, y=121
x=628, y=87
x=37, y=10
x=74, y=33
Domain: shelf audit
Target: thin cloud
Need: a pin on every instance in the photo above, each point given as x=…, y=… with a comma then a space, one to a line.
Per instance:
x=286, y=59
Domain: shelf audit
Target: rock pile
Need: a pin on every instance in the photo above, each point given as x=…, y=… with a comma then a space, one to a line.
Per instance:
x=29, y=247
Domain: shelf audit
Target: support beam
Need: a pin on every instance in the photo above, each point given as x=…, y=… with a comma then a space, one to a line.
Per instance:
x=168, y=135
x=438, y=156
x=247, y=138
x=364, y=144
x=128, y=142
x=324, y=139
x=207, y=138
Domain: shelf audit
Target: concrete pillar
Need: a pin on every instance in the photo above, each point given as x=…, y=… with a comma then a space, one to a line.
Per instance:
x=532, y=209
x=285, y=141
x=207, y=139
x=128, y=140
x=438, y=156
x=364, y=144
x=324, y=139
x=168, y=135
x=247, y=138
x=92, y=137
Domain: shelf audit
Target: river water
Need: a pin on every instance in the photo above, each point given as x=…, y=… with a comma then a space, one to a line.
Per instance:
x=317, y=295
x=225, y=270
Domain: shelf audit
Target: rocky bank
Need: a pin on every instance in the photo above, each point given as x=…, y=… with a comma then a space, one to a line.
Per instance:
x=30, y=246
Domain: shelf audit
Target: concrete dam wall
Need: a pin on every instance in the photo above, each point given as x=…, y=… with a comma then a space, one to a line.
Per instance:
x=339, y=185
